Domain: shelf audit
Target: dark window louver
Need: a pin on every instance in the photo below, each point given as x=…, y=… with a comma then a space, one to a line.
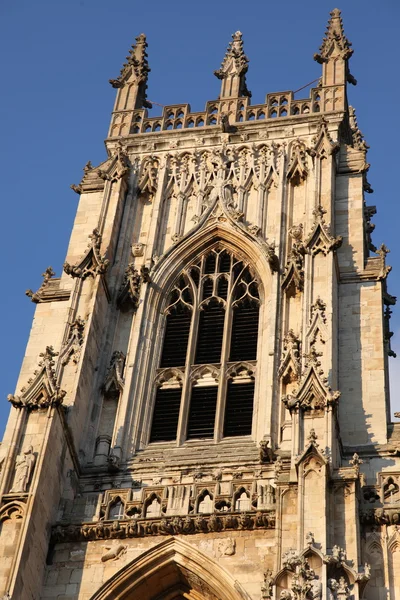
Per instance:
x=244, y=333
x=166, y=415
x=203, y=404
x=211, y=331
x=223, y=288
x=224, y=263
x=239, y=409
x=208, y=286
x=211, y=261
x=176, y=339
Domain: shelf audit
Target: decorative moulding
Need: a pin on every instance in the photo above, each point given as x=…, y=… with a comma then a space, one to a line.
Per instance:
x=41, y=390
x=49, y=291
x=92, y=263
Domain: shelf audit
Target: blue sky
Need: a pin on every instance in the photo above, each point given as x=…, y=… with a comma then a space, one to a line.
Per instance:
x=56, y=102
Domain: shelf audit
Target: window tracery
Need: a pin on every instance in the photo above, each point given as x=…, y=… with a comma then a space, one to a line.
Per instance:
x=211, y=335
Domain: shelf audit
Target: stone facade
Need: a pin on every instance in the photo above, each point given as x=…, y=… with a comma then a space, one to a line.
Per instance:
x=142, y=461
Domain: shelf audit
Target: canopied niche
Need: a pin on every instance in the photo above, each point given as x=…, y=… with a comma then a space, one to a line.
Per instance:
x=172, y=569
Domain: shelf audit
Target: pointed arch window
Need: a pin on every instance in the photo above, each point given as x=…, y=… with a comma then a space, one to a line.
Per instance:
x=211, y=338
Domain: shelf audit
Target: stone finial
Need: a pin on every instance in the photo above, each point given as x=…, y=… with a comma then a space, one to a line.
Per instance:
x=335, y=48
x=135, y=69
x=335, y=42
x=233, y=69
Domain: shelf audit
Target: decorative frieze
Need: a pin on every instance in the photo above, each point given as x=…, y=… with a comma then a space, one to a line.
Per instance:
x=164, y=526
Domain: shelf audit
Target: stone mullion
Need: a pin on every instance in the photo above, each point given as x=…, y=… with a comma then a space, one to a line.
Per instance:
x=187, y=382
x=222, y=387
x=190, y=356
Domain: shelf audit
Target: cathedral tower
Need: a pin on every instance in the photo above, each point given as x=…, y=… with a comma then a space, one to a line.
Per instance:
x=203, y=410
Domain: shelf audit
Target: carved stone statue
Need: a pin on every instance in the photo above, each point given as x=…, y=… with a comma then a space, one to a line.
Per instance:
x=23, y=470
x=114, y=551
x=343, y=592
x=285, y=595
x=316, y=589
x=267, y=587
x=332, y=589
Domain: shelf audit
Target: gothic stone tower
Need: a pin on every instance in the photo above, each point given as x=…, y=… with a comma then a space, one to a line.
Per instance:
x=203, y=410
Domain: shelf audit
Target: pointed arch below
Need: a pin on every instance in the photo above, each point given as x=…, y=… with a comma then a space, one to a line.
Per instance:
x=168, y=570
x=242, y=244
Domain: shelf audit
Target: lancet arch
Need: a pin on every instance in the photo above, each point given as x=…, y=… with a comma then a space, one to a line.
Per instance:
x=170, y=570
x=218, y=237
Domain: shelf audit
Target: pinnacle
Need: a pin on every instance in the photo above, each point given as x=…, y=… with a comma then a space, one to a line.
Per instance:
x=235, y=65
x=334, y=36
x=234, y=51
x=136, y=61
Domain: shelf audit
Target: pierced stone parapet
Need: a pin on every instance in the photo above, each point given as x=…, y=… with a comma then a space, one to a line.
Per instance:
x=179, y=116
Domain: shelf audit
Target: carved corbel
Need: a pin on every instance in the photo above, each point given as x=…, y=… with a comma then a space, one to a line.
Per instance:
x=129, y=291
x=320, y=238
x=114, y=382
x=76, y=188
x=92, y=263
x=42, y=390
x=266, y=453
x=384, y=268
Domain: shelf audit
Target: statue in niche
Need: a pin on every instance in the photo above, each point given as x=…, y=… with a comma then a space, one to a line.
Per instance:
x=343, y=592
x=316, y=589
x=332, y=589
x=285, y=595
x=23, y=470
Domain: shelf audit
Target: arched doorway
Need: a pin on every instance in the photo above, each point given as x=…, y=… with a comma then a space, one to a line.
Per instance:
x=172, y=570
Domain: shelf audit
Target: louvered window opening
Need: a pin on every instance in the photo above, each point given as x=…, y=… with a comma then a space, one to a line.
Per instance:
x=239, y=409
x=225, y=293
x=211, y=331
x=166, y=415
x=176, y=339
x=203, y=405
x=244, y=333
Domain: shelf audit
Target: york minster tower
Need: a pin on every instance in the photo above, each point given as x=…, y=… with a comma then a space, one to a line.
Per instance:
x=203, y=408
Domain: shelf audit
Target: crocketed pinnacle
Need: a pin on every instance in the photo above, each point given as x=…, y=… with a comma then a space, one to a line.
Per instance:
x=234, y=65
x=334, y=39
x=136, y=64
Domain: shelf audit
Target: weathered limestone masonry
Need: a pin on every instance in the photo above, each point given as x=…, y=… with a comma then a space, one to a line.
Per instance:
x=203, y=407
